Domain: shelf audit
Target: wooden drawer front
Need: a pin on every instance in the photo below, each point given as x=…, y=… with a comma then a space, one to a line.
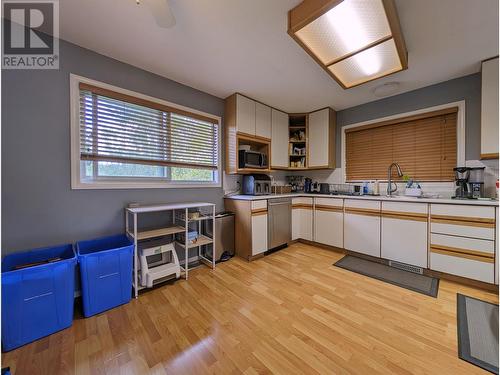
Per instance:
x=405, y=211
x=333, y=202
x=259, y=207
x=483, y=250
x=361, y=207
x=301, y=202
x=464, y=267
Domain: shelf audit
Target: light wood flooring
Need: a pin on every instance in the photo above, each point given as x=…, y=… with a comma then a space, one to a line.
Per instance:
x=291, y=312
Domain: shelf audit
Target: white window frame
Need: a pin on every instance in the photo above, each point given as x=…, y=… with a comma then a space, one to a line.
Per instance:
x=460, y=131
x=128, y=182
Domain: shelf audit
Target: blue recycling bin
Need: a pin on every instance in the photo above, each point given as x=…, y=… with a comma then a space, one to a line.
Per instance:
x=106, y=272
x=38, y=300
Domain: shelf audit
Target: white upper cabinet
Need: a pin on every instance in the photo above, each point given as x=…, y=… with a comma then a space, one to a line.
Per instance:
x=245, y=115
x=322, y=139
x=489, y=109
x=262, y=120
x=279, y=139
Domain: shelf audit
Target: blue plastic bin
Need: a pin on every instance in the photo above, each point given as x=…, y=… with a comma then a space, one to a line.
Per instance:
x=37, y=301
x=106, y=272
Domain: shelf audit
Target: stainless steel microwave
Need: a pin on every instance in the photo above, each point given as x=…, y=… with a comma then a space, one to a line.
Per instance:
x=252, y=159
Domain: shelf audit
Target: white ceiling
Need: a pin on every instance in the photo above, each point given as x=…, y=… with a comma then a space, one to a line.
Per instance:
x=227, y=46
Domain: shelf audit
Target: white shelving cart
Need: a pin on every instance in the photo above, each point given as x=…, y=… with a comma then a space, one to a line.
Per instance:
x=184, y=217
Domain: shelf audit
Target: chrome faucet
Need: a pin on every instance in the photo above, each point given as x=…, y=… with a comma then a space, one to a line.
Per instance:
x=390, y=190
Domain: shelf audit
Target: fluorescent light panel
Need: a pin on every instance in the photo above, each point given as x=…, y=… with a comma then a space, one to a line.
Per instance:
x=341, y=38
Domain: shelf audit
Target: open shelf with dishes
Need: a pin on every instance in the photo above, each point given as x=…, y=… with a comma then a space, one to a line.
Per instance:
x=297, y=141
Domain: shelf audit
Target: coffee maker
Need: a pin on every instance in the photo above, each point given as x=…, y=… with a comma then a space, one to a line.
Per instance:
x=476, y=182
x=462, y=181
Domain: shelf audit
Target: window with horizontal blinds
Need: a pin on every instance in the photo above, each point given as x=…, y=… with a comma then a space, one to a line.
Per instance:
x=425, y=146
x=120, y=128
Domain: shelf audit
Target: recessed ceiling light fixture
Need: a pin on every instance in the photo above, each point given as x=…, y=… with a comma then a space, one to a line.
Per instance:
x=355, y=41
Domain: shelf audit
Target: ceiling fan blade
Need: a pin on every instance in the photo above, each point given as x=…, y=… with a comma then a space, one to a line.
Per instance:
x=162, y=13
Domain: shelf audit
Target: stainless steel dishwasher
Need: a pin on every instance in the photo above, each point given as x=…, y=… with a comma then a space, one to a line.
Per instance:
x=279, y=222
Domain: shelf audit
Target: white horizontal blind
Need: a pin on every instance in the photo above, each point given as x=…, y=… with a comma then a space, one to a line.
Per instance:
x=119, y=128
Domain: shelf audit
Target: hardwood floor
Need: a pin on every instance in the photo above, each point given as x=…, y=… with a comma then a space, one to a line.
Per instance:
x=291, y=312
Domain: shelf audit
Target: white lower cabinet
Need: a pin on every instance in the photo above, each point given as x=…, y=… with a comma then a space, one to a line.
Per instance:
x=404, y=232
x=329, y=221
x=462, y=241
x=362, y=226
x=302, y=218
x=468, y=257
x=461, y=256
x=259, y=227
x=496, y=247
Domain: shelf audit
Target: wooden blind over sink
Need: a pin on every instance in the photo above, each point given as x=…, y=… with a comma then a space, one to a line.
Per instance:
x=425, y=146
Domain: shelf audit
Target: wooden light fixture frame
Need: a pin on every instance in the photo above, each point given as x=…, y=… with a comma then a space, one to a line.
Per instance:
x=309, y=10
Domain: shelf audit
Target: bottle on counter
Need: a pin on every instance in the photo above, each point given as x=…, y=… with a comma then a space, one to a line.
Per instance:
x=365, y=188
x=376, y=188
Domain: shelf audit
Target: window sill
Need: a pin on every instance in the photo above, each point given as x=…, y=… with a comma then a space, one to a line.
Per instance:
x=90, y=185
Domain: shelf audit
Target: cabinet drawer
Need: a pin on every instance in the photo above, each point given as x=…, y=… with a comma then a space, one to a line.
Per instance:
x=462, y=211
x=302, y=202
x=361, y=207
x=329, y=204
x=463, y=246
x=405, y=211
x=259, y=205
x=465, y=221
x=472, y=269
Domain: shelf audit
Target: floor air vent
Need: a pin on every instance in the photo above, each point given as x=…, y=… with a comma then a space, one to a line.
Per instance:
x=406, y=267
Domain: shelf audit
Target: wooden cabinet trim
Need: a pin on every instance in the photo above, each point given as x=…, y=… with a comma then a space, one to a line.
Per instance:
x=492, y=155
x=303, y=206
x=322, y=207
x=404, y=215
x=259, y=211
x=363, y=211
x=463, y=253
x=463, y=220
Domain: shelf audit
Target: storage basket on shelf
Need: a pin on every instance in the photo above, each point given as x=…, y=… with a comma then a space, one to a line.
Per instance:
x=38, y=288
x=106, y=272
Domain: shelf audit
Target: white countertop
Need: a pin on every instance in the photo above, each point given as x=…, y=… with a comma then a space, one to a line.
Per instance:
x=394, y=198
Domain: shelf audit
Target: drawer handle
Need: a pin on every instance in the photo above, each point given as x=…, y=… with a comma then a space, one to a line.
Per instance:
x=39, y=296
x=405, y=215
x=463, y=253
x=322, y=207
x=259, y=211
x=363, y=211
x=467, y=221
x=303, y=206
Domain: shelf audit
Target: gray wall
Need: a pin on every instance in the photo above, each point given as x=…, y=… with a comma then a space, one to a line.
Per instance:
x=468, y=88
x=38, y=206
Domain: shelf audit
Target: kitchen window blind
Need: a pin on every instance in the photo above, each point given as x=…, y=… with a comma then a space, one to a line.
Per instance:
x=425, y=146
x=115, y=127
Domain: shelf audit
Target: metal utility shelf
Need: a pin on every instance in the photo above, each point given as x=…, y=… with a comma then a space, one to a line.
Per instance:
x=183, y=209
x=143, y=235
